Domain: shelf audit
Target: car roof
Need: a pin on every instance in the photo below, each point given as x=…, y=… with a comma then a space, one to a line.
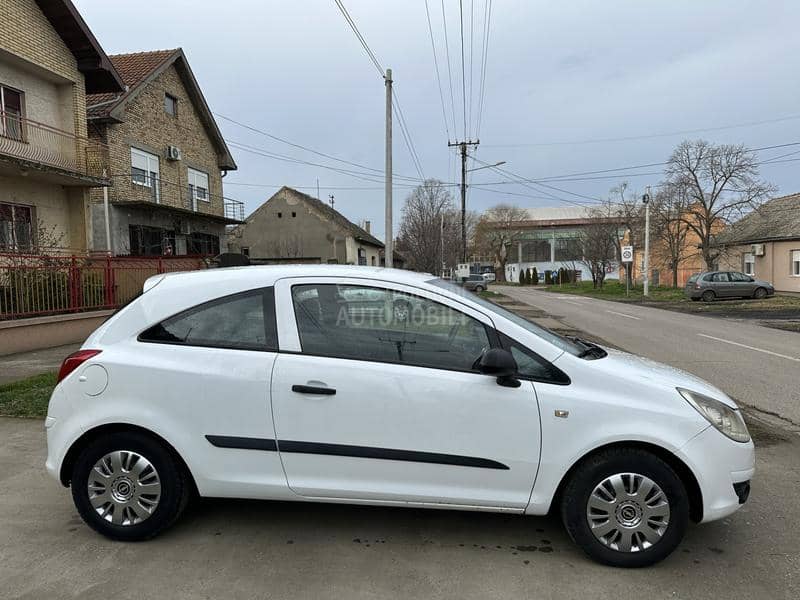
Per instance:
x=265, y=275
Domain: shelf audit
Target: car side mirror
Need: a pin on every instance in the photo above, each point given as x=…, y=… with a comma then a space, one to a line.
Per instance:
x=501, y=364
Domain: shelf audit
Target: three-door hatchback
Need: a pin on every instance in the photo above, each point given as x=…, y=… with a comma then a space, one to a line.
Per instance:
x=376, y=386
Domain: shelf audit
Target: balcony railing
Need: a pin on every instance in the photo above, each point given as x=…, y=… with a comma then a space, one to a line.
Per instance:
x=37, y=142
x=140, y=187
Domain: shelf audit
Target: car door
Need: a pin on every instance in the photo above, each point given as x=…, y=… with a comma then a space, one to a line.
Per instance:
x=741, y=284
x=388, y=409
x=721, y=285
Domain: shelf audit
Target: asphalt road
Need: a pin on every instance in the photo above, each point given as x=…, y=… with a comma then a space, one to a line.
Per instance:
x=250, y=550
x=758, y=366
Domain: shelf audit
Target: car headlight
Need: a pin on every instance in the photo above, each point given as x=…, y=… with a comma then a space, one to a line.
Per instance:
x=726, y=419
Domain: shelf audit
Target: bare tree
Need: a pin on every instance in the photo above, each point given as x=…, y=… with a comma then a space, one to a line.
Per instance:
x=624, y=208
x=600, y=246
x=668, y=227
x=722, y=183
x=421, y=231
x=499, y=228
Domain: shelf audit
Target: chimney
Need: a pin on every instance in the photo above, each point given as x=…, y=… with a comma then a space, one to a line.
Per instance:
x=367, y=226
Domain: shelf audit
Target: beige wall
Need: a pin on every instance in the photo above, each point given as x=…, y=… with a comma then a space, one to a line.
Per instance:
x=148, y=127
x=25, y=335
x=307, y=234
x=27, y=34
x=60, y=210
x=774, y=267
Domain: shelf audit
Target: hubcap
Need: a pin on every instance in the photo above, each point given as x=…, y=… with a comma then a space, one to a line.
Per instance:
x=628, y=512
x=124, y=488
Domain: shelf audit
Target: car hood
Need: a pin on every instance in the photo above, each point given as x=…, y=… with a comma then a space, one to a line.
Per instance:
x=644, y=370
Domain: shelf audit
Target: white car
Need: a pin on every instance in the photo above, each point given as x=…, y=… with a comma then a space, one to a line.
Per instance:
x=258, y=382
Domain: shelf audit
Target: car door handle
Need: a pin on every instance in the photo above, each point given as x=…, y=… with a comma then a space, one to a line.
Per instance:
x=312, y=389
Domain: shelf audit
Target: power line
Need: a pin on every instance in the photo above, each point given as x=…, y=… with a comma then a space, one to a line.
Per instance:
x=407, y=135
x=449, y=72
x=648, y=136
x=361, y=39
x=487, y=19
x=301, y=147
x=463, y=71
x=471, y=44
x=436, y=67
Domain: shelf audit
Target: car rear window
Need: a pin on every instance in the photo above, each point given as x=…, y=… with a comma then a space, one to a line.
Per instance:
x=693, y=278
x=243, y=321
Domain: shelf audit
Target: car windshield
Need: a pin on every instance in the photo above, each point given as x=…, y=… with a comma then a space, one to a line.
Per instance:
x=565, y=344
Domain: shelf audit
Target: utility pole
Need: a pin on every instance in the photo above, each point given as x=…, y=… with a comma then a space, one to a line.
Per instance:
x=463, y=149
x=330, y=200
x=388, y=235
x=646, y=202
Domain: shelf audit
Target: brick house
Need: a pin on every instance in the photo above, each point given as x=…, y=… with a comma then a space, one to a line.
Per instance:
x=766, y=244
x=49, y=61
x=294, y=225
x=167, y=158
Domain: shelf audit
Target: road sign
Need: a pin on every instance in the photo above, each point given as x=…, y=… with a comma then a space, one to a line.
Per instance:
x=627, y=254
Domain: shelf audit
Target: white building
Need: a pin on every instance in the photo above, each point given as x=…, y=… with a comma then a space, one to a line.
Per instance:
x=551, y=240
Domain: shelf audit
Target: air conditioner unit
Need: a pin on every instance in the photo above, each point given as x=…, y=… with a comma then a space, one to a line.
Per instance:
x=173, y=153
x=184, y=228
x=757, y=249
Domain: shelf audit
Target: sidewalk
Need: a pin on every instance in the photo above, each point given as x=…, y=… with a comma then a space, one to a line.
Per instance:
x=14, y=367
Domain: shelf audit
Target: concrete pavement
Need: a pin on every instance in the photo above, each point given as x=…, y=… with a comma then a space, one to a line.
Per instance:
x=250, y=550
x=756, y=365
x=14, y=367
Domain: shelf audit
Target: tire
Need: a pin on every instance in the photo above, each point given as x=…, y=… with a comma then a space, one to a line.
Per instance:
x=632, y=469
x=708, y=296
x=760, y=293
x=140, y=487
x=478, y=289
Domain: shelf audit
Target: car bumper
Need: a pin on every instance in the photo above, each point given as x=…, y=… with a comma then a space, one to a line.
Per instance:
x=723, y=469
x=693, y=293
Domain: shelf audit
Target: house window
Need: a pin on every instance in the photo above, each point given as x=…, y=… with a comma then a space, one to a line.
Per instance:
x=11, y=113
x=796, y=263
x=280, y=215
x=198, y=185
x=150, y=241
x=294, y=214
x=246, y=250
x=749, y=264
x=170, y=105
x=144, y=170
x=203, y=244
x=16, y=227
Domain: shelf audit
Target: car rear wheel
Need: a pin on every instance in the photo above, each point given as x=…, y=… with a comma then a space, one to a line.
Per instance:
x=760, y=293
x=478, y=289
x=625, y=508
x=128, y=486
x=708, y=296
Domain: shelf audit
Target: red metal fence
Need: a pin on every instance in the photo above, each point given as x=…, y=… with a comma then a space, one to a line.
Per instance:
x=35, y=285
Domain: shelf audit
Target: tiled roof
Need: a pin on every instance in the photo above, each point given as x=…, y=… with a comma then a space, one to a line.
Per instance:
x=133, y=68
x=777, y=219
x=334, y=215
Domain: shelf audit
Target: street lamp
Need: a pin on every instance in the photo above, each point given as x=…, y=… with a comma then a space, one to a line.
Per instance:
x=646, y=202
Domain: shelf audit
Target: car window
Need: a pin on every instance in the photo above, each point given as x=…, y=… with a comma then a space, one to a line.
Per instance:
x=558, y=341
x=739, y=277
x=720, y=278
x=693, y=278
x=532, y=366
x=377, y=324
x=242, y=321
x=476, y=277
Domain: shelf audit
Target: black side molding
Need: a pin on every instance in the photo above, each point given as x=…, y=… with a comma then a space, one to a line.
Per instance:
x=242, y=443
x=289, y=446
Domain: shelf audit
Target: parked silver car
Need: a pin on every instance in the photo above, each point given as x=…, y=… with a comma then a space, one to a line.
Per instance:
x=476, y=283
x=711, y=285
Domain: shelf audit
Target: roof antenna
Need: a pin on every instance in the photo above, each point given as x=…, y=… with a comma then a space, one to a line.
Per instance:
x=330, y=197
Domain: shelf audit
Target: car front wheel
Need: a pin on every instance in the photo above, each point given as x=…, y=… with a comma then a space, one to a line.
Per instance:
x=128, y=486
x=625, y=508
x=760, y=293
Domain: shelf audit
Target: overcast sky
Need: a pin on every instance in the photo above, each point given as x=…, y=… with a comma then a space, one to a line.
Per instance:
x=566, y=78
